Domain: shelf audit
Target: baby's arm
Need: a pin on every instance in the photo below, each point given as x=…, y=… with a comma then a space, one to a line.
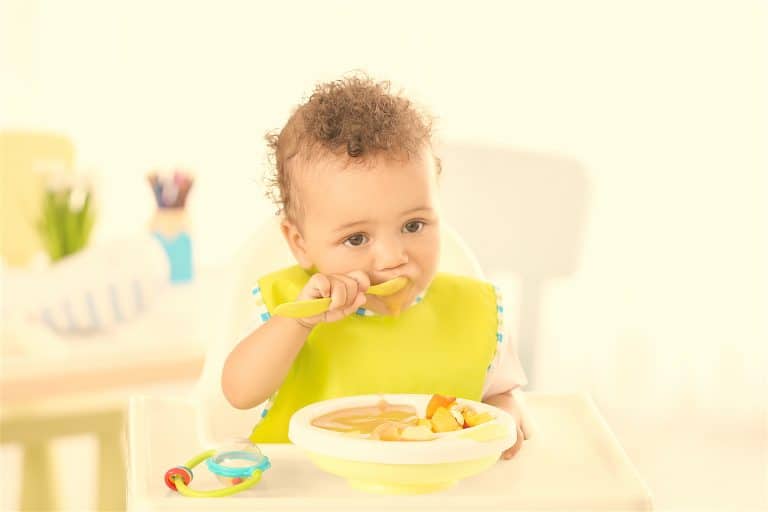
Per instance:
x=259, y=363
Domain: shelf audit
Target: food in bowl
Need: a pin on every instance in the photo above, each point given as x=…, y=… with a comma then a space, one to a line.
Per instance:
x=400, y=422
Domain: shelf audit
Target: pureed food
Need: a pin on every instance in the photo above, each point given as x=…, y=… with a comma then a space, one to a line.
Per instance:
x=374, y=422
x=399, y=422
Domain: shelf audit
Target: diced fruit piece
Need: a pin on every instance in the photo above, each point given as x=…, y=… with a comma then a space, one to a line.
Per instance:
x=438, y=401
x=466, y=410
x=419, y=433
x=454, y=410
x=476, y=419
x=423, y=422
x=443, y=421
x=386, y=432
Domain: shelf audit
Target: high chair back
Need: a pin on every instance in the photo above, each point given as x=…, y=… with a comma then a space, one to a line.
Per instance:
x=264, y=252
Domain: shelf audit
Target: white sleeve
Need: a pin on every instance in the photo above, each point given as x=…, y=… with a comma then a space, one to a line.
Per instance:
x=505, y=372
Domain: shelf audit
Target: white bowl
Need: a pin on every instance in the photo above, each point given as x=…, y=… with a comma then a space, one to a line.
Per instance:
x=402, y=467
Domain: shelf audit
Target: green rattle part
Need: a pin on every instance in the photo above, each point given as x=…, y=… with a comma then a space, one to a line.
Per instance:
x=182, y=488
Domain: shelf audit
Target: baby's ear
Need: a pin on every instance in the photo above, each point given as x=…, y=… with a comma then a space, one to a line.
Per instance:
x=296, y=243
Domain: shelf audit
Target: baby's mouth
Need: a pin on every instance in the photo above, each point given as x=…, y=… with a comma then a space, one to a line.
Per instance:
x=375, y=282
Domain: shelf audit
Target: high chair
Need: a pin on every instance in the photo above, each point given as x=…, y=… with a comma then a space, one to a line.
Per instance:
x=572, y=462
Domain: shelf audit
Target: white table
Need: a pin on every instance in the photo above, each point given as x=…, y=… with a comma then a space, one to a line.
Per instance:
x=573, y=463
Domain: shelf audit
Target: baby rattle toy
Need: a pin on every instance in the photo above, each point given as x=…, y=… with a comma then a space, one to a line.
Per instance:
x=239, y=468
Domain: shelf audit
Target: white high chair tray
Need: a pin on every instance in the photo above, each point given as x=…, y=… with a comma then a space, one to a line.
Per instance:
x=573, y=462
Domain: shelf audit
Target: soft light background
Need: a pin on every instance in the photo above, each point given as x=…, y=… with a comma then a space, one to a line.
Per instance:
x=662, y=103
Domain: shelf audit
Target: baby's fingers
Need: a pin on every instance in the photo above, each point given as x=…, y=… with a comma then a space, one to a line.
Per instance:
x=362, y=279
x=353, y=298
x=318, y=286
x=359, y=301
x=353, y=288
x=512, y=451
x=333, y=315
x=339, y=293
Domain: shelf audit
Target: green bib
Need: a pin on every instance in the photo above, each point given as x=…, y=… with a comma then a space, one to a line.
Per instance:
x=442, y=344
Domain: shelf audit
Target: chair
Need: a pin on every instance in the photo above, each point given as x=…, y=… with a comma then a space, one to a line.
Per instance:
x=536, y=205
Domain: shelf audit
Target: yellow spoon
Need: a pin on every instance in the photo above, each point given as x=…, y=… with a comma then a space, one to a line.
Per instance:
x=312, y=307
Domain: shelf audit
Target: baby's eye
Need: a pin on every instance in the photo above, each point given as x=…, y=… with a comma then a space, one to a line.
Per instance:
x=413, y=226
x=356, y=240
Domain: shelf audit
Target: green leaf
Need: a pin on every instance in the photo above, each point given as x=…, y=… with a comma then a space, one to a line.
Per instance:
x=62, y=230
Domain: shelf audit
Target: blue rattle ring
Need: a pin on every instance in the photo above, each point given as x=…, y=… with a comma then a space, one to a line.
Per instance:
x=238, y=469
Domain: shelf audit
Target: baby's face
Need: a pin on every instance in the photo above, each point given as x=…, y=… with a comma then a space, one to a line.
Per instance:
x=382, y=219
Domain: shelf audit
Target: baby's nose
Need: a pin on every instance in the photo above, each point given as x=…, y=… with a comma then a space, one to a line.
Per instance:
x=390, y=255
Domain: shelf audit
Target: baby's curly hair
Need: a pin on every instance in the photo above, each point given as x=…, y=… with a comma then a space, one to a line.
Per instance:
x=353, y=118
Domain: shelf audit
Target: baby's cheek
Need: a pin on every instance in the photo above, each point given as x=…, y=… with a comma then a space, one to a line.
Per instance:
x=342, y=262
x=428, y=258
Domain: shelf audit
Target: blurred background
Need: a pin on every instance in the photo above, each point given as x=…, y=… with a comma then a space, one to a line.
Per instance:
x=606, y=161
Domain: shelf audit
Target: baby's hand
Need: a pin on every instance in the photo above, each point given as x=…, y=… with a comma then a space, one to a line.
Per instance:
x=347, y=293
x=512, y=451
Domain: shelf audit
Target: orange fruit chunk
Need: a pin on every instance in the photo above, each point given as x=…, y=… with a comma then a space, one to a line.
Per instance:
x=438, y=401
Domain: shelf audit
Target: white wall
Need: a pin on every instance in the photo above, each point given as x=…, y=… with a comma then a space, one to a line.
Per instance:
x=663, y=103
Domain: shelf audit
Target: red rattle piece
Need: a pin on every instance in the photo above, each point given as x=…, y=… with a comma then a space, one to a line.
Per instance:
x=182, y=472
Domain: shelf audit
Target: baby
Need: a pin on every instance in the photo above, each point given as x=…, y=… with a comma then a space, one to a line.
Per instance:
x=357, y=186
